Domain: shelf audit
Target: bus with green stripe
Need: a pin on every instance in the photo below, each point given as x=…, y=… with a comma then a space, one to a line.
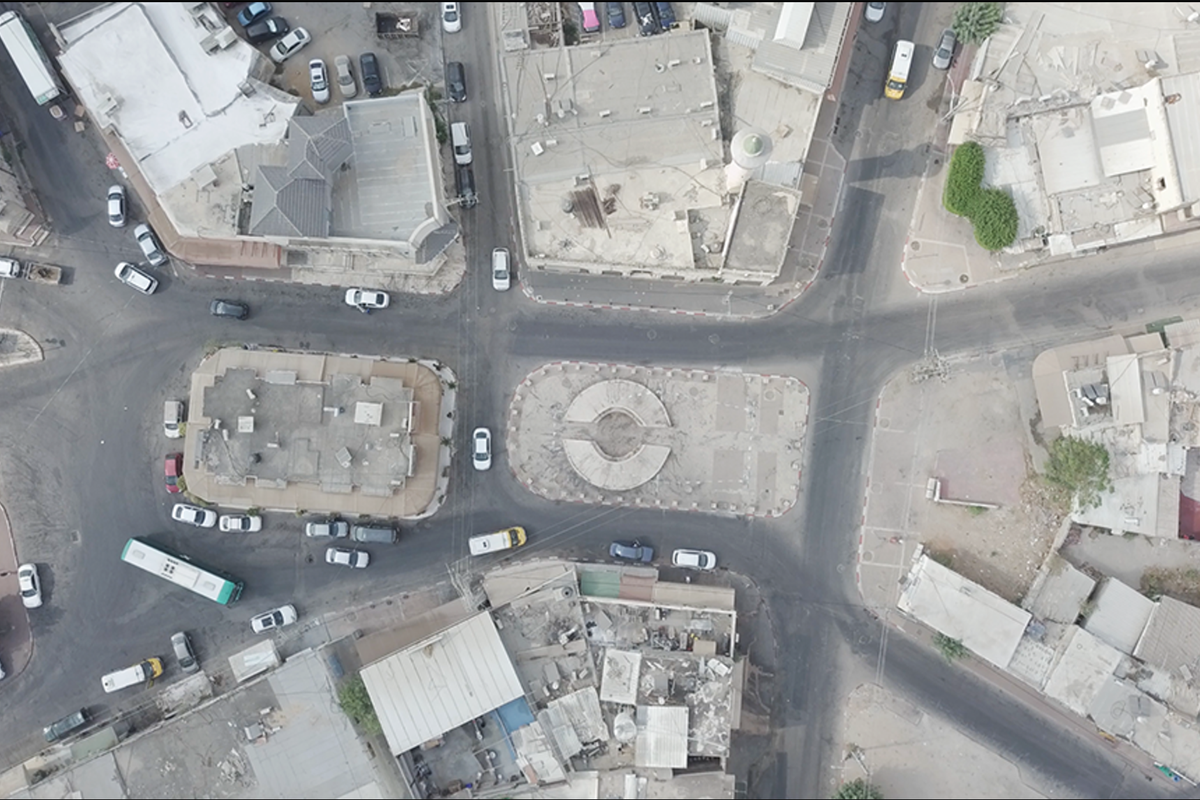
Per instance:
x=182, y=571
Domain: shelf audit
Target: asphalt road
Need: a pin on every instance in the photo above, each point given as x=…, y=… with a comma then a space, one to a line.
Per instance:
x=82, y=444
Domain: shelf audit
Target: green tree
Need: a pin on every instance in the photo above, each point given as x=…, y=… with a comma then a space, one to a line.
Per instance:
x=994, y=215
x=1080, y=467
x=951, y=649
x=356, y=703
x=858, y=789
x=974, y=22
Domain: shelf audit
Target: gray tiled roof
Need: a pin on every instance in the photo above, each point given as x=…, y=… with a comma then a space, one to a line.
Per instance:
x=296, y=200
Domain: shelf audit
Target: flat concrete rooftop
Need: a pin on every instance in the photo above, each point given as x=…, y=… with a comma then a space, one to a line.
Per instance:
x=627, y=132
x=313, y=431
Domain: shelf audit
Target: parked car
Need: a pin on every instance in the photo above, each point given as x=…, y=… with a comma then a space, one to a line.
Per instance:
x=367, y=299
x=373, y=534
x=368, y=66
x=616, y=14
x=481, y=449
x=289, y=45
x=173, y=471
x=874, y=11
x=456, y=82
x=339, y=556
x=647, y=25
x=116, y=206
x=694, y=559
x=61, y=728
x=631, y=551
x=172, y=419
x=253, y=13
x=184, y=653
x=29, y=585
x=133, y=277
x=451, y=18
x=464, y=180
x=501, y=278
x=460, y=140
x=240, y=523
x=665, y=14
x=318, y=79
x=276, y=618
x=345, y=78
x=266, y=30
x=334, y=528
x=228, y=308
x=149, y=243
x=944, y=53
x=591, y=22
x=194, y=515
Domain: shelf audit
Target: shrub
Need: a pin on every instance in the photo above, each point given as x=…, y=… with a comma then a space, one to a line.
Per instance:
x=994, y=216
x=974, y=22
x=963, y=179
x=858, y=789
x=356, y=702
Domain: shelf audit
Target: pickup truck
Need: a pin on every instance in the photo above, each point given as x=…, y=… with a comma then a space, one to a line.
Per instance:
x=38, y=273
x=486, y=543
x=142, y=672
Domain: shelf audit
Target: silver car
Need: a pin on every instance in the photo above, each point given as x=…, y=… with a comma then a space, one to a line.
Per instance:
x=149, y=244
x=944, y=53
x=116, y=206
x=184, y=653
x=332, y=528
x=345, y=77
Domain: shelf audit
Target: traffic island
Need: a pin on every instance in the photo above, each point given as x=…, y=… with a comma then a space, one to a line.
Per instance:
x=685, y=439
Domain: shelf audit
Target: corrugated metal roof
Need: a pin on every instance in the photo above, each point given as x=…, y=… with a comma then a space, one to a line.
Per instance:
x=1172, y=638
x=441, y=682
x=1125, y=383
x=661, y=737
x=1183, y=118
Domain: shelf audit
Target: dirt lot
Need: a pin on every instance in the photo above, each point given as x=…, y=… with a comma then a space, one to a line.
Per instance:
x=965, y=428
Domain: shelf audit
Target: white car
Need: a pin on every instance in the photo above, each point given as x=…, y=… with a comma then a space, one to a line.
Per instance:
x=481, y=449
x=289, y=45
x=116, y=206
x=130, y=275
x=29, y=585
x=318, y=79
x=366, y=299
x=240, y=523
x=355, y=559
x=345, y=78
x=874, y=11
x=194, y=515
x=694, y=559
x=501, y=277
x=451, y=18
x=149, y=244
x=276, y=618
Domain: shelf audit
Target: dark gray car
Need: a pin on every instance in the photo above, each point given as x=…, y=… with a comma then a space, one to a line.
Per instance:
x=631, y=551
x=72, y=722
x=368, y=70
x=456, y=82
x=266, y=30
x=228, y=308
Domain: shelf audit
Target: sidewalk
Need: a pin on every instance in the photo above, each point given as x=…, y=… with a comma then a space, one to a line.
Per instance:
x=16, y=638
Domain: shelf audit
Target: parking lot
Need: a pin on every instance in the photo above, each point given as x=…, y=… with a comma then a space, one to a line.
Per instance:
x=349, y=29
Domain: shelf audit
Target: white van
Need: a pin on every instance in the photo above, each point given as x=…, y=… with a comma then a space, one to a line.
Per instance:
x=897, y=79
x=486, y=543
x=142, y=672
x=460, y=138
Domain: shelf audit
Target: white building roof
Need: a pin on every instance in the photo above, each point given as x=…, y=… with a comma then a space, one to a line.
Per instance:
x=441, y=682
x=1083, y=666
x=662, y=733
x=1120, y=615
x=986, y=623
x=620, y=678
x=175, y=107
x=1125, y=380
